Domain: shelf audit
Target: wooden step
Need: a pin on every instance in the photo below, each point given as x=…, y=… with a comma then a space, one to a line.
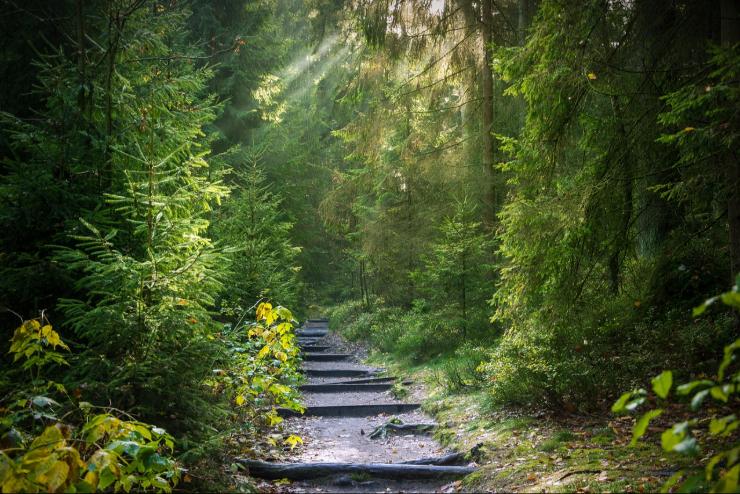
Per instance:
x=338, y=373
x=311, y=333
x=396, y=471
x=351, y=410
x=370, y=380
x=314, y=348
x=307, y=341
x=345, y=388
x=325, y=357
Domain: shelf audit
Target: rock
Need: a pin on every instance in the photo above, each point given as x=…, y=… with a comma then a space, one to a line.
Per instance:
x=343, y=481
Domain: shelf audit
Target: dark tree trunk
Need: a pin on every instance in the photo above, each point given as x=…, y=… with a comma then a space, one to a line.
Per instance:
x=730, y=32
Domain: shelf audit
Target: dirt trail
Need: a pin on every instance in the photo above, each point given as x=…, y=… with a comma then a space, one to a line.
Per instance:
x=345, y=440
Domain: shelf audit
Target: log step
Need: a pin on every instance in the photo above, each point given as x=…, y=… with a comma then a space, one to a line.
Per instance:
x=351, y=410
x=345, y=388
x=311, y=333
x=307, y=341
x=370, y=380
x=337, y=373
x=325, y=357
x=396, y=471
x=314, y=348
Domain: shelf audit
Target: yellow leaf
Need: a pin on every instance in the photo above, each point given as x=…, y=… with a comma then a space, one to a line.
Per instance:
x=591, y=76
x=92, y=479
x=262, y=353
x=689, y=129
x=56, y=476
x=270, y=317
x=240, y=400
x=262, y=309
x=286, y=343
x=293, y=441
x=282, y=356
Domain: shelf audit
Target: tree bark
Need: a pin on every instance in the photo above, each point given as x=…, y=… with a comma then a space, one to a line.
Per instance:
x=730, y=32
x=488, y=156
x=305, y=471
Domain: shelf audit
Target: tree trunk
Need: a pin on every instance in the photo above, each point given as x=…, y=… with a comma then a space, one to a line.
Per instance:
x=488, y=157
x=730, y=32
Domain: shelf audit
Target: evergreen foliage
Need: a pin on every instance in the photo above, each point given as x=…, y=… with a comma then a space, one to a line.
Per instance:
x=262, y=258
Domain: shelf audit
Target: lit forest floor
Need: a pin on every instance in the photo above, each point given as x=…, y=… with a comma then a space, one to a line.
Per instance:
x=541, y=451
x=513, y=450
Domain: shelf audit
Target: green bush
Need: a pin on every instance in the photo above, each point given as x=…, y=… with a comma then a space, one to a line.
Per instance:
x=413, y=336
x=461, y=371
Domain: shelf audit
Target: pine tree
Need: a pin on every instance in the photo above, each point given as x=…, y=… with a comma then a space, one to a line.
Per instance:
x=457, y=274
x=146, y=271
x=253, y=225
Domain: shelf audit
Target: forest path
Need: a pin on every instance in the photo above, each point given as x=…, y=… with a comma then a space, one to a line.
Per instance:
x=346, y=401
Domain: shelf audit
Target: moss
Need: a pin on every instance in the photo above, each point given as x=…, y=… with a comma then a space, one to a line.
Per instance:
x=524, y=453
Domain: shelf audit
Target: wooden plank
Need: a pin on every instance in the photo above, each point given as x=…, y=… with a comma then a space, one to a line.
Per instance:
x=345, y=388
x=325, y=357
x=351, y=410
x=313, y=348
x=337, y=373
x=311, y=333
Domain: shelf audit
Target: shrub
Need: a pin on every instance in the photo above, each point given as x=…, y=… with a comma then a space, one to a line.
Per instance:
x=41, y=451
x=722, y=469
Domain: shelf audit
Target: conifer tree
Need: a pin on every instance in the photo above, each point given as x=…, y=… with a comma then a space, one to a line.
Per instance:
x=252, y=224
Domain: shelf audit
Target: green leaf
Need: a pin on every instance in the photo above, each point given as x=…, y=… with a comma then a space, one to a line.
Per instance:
x=673, y=436
x=703, y=307
x=729, y=355
x=107, y=477
x=698, y=399
x=729, y=481
x=673, y=480
x=732, y=299
x=642, y=424
x=709, y=469
x=626, y=403
x=718, y=426
x=721, y=393
x=284, y=313
x=618, y=406
x=687, y=388
x=688, y=446
x=662, y=383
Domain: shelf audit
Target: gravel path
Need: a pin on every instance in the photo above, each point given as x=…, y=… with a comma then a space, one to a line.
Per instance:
x=346, y=439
